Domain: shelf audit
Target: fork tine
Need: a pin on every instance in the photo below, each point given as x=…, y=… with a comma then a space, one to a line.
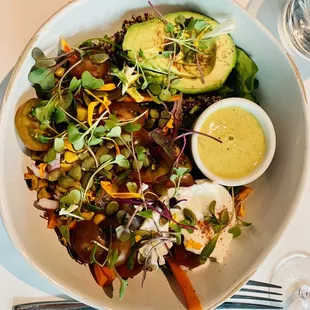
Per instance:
x=255, y=298
x=259, y=291
x=262, y=284
x=237, y=305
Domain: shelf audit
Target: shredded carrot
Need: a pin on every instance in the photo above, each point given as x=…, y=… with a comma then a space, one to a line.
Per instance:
x=243, y=194
x=101, y=277
x=191, y=298
x=67, y=49
x=240, y=209
x=107, y=87
x=107, y=186
x=98, y=99
x=109, y=272
x=148, y=98
x=90, y=112
x=52, y=219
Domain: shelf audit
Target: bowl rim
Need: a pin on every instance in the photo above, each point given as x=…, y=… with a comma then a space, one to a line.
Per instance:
x=266, y=124
x=298, y=194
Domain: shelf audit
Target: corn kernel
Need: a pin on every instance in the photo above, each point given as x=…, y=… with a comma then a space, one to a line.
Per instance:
x=88, y=215
x=60, y=72
x=71, y=157
x=99, y=218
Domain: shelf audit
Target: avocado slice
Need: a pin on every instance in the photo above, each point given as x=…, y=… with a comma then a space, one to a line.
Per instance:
x=217, y=62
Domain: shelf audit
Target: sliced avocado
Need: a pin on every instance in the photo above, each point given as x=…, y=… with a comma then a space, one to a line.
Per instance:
x=216, y=64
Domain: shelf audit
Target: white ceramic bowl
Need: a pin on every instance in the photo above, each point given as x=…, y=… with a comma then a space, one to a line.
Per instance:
x=266, y=125
x=276, y=193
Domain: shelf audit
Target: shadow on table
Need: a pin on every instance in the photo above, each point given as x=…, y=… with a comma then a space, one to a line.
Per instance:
x=10, y=259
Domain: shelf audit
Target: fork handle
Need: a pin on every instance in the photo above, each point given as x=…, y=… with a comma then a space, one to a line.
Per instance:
x=53, y=305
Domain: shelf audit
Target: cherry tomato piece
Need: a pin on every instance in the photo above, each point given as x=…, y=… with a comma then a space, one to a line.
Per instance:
x=82, y=239
x=28, y=127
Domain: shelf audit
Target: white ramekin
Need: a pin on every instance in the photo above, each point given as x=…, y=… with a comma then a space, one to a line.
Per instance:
x=268, y=129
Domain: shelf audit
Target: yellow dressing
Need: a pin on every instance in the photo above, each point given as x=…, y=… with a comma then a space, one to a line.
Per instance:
x=243, y=146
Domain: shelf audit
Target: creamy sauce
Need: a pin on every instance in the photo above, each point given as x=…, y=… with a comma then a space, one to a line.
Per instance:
x=243, y=146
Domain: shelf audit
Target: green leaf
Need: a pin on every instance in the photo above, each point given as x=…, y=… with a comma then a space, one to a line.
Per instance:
x=181, y=171
x=212, y=207
x=115, y=132
x=78, y=144
x=180, y=19
x=235, y=231
x=130, y=261
x=141, y=152
x=190, y=24
x=89, y=82
x=73, y=133
x=49, y=156
x=209, y=248
x=74, y=84
x=66, y=100
x=44, y=77
x=148, y=214
x=132, y=187
x=201, y=25
x=132, y=127
x=217, y=228
x=44, y=113
x=59, y=116
x=99, y=131
x=74, y=197
x=64, y=231
x=59, y=145
x=105, y=158
x=41, y=60
x=224, y=217
x=169, y=27
x=122, y=289
x=94, y=141
x=245, y=224
x=122, y=161
x=43, y=139
x=99, y=58
x=165, y=95
x=113, y=257
x=188, y=223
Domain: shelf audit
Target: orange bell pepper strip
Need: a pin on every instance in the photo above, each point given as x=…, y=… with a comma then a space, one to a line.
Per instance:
x=109, y=272
x=191, y=298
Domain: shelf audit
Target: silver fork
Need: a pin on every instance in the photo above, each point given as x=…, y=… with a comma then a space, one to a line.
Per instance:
x=262, y=296
x=238, y=301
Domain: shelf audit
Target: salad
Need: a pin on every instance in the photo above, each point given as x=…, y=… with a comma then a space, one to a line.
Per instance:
x=108, y=134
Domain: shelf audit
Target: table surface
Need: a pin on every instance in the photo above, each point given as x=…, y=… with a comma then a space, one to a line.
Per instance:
x=19, y=19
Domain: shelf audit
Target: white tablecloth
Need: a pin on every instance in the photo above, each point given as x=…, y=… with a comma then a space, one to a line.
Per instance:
x=19, y=19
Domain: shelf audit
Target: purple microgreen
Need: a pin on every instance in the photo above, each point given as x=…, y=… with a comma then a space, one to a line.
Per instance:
x=176, y=163
x=159, y=14
x=165, y=142
x=190, y=131
x=176, y=113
